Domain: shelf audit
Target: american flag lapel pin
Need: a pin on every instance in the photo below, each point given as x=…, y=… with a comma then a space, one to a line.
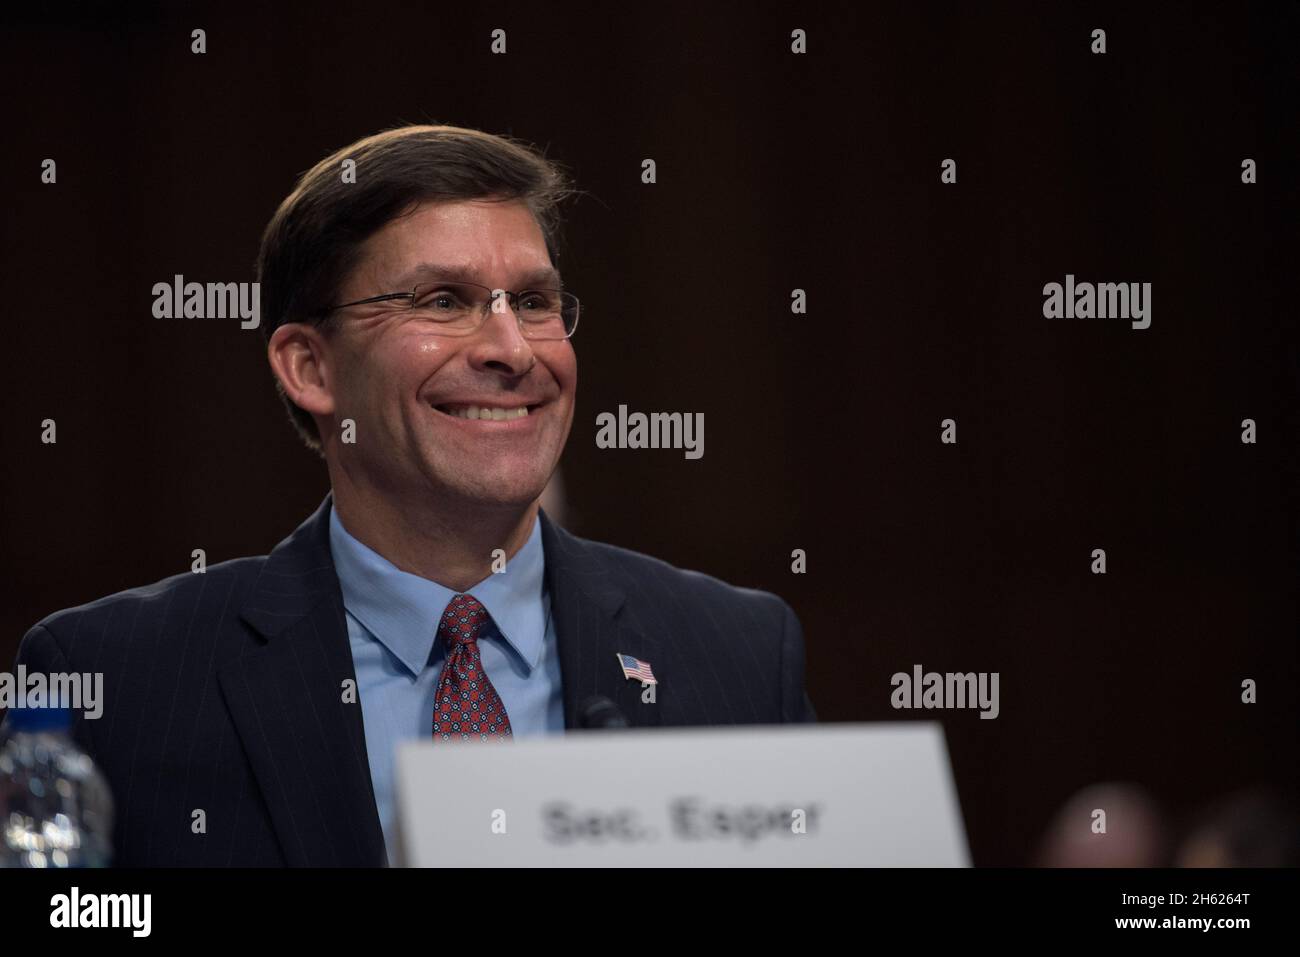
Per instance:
x=636, y=668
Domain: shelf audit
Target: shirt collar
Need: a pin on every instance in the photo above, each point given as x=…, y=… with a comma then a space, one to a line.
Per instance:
x=402, y=610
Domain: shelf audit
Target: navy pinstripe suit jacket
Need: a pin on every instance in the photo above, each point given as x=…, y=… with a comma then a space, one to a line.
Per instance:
x=223, y=691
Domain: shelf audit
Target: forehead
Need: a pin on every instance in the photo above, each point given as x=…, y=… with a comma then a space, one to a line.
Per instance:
x=492, y=241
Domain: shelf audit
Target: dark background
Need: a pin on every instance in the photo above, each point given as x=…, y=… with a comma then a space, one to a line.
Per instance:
x=775, y=171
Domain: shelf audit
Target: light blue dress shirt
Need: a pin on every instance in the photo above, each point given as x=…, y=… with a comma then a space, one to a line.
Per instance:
x=393, y=619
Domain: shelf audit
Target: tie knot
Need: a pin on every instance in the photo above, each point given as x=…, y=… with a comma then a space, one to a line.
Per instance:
x=463, y=621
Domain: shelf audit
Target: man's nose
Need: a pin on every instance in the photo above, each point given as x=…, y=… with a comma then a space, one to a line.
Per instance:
x=499, y=344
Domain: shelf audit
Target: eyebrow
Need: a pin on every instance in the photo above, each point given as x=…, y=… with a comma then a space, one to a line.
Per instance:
x=458, y=273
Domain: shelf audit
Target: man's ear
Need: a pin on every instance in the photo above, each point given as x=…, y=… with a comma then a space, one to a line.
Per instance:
x=301, y=360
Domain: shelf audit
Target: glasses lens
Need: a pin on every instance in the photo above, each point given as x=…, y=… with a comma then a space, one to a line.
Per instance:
x=452, y=306
x=547, y=313
x=458, y=309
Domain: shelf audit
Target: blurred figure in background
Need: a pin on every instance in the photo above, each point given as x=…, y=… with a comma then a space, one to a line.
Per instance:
x=1247, y=829
x=1134, y=835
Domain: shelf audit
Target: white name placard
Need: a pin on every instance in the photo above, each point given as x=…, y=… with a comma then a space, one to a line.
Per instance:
x=857, y=795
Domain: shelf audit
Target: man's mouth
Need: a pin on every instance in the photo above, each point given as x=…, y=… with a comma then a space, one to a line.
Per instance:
x=485, y=412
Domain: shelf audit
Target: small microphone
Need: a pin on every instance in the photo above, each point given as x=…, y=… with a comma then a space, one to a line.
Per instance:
x=599, y=713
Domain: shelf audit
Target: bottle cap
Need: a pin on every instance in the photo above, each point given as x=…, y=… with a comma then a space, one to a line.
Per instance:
x=34, y=720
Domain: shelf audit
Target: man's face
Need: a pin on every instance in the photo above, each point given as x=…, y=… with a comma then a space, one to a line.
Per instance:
x=401, y=381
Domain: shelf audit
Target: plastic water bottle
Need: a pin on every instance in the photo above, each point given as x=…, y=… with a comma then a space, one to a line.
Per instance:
x=55, y=806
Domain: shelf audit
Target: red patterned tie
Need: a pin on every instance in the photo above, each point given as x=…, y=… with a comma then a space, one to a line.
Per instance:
x=466, y=706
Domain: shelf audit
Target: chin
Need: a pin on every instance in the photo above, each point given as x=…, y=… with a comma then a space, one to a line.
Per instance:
x=509, y=492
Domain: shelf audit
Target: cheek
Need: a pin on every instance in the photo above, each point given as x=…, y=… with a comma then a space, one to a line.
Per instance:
x=397, y=371
x=563, y=365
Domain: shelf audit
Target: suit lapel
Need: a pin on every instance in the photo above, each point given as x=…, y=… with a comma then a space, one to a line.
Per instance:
x=306, y=744
x=593, y=625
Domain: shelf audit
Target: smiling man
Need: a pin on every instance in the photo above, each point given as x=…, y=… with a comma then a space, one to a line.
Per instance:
x=422, y=339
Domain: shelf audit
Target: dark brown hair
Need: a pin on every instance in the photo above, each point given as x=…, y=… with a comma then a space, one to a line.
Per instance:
x=315, y=238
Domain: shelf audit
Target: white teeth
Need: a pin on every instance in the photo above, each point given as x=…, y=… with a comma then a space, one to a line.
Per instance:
x=484, y=412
